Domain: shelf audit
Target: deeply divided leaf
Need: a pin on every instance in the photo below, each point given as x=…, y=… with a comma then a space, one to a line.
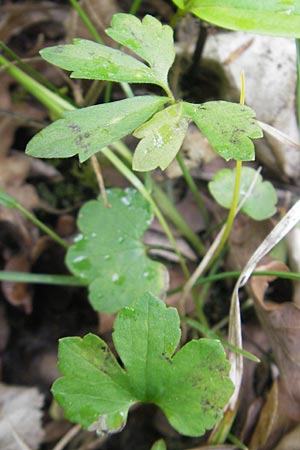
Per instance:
x=228, y=128
x=277, y=18
x=260, y=201
x=191, y=387
x=148, y=38
x=93, y=61
x=162, y=137
x=109, y=253
x=87, y=130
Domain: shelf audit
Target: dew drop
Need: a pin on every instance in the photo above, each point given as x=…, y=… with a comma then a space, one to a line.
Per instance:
x=78, y=238
x=126, y=201
x=115, y=277
x=106, y=257
x=79, y=259
x=121, y=239
x=93, y=235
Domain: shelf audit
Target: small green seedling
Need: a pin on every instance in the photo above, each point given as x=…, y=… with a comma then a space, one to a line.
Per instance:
x=260, y=200
x=226, y=125
x=109, y=253
x=191, y=386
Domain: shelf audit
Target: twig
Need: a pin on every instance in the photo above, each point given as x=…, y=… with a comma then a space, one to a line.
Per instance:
x=97, y=169
x=67, y=437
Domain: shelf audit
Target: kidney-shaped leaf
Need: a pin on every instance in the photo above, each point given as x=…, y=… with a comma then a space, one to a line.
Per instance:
x=85, y=131
x=162, y=137
x=259, y=205
x=273, y=17
x=228, y=127
x=109, y=253
x=191, y=387
x=148, y=38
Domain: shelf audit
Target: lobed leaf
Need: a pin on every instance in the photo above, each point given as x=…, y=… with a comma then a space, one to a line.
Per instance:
x=162, y=137
x=276, y=18
x=228, y=127
x=109, y=253
x=148, y=38
x=146, y=335
x=86, y=131
x=90, y=60
x=259, y=205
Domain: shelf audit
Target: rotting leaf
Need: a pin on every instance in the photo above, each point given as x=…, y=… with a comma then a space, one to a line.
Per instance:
x=145, y=337
x=86, y=131
x=109, y=253
x=162, y=137
x=259, y=205
x=228, y=128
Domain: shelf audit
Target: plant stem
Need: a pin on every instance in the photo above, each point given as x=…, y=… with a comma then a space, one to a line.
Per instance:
x=97, y=170
x=135, y=6
x=52, y=101
x=193, y=187
x=236, y=274
x=165, y=204
x=171, y=212
x=27, y=68
x=232, y=211
x=41, y=225
x=37, y=278
x=86, y=20
x=179, y=13
x=200, y=301
x=136, y=182
x=236, y=191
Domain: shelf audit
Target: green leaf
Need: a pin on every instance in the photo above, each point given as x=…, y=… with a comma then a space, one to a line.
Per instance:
x=162, y=137
x=261, y=203
x=87, y=130
x=273, y=17
x=148, y=39
x=159, y=445
x=109, y=253
x=191, y=387
x=228, y=127
x=92, y=61
x=179, y=3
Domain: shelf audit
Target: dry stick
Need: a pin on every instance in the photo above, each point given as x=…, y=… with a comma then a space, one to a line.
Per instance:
x=67, y=437
x=97, y=169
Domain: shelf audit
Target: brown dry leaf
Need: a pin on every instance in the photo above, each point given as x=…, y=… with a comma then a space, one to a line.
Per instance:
x=18, y=294
x=281, y=322
x=271, y=422
x=245, y=237
x=290, y=441
x=20, y=418
x=16, y=18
